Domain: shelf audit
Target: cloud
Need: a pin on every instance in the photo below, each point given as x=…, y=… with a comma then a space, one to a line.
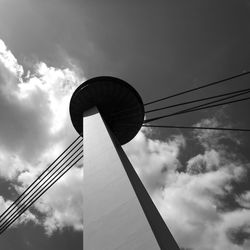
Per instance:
x=32, y=111
x=9, y=61
x=154, y=159
x=244, y=199
x=237, y=227
x=35, y=128
x=33, y=108
x=191, y=201
x=214, y=138
x=203, y=163
x=23, y=219
x=62, y=204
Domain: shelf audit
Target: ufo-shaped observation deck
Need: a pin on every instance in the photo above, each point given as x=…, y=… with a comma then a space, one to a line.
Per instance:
x=119, y=104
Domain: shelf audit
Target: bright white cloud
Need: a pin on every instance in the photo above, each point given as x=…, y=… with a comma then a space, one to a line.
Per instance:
x=191, y=201
x=63, y=202
x=11, y=164
x=203, y=163
x=154, y=159
x=35, y=128
x=9, y=61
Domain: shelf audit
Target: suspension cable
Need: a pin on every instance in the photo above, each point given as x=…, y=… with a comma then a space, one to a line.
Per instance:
x=200, y=87
x=33, y=195
x=199, y=100
x=195, y=127
x=199, y=107
x=41, y=192
x=35, y=189
x=33, y=183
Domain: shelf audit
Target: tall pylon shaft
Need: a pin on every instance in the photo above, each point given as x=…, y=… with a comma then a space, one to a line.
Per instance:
x=117, y=210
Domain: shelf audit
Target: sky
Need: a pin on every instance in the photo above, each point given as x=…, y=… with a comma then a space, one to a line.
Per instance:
x=199, y=180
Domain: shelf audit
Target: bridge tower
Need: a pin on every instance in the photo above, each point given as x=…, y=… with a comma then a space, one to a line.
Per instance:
x=118, y=213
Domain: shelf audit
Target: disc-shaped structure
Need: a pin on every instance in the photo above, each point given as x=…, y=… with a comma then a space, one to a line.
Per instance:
x=119, y=104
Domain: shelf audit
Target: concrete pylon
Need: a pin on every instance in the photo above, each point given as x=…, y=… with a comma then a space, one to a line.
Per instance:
x=118, y=213
x=112, y=193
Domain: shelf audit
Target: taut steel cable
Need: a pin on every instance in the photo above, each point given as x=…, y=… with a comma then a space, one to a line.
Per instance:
x=200, y=87
x=41, y=192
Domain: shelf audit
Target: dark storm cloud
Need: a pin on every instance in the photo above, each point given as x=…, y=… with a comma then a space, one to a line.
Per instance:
x=238, y=235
